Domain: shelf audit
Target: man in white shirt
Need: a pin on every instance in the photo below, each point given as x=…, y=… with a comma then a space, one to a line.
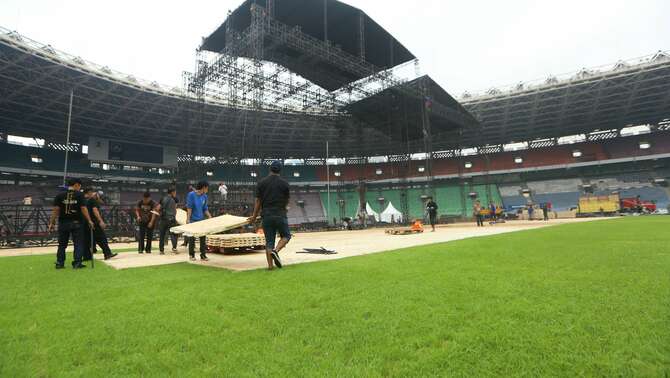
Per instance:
x=223, y=189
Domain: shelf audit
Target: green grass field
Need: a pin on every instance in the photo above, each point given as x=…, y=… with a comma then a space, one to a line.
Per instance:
x=582, y=299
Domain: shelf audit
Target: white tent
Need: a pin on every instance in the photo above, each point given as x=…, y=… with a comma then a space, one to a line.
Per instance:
x=371, y=212
x=391, y=214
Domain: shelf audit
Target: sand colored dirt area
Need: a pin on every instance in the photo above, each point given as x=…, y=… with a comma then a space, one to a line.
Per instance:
x=346, y=243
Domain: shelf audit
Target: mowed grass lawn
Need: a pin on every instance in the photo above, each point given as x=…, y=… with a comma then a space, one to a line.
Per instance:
x=582, y=299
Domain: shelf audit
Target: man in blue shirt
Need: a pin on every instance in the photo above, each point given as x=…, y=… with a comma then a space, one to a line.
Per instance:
x=197, y=210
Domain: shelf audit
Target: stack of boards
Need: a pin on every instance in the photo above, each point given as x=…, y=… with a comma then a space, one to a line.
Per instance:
x=230, y=241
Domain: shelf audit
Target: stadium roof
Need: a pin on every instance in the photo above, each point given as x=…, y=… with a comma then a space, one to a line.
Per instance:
x=626, y=93
x=343, y=26
x=35, y=81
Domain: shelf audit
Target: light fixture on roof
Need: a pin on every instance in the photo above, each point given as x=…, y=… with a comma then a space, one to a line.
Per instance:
x=645, y=145
x=296, y=174
x=468, y=165
x=210, y=173
x=337, y=173
x=518, y=160
x=422, y=169
x=36, y=159
x=379, y=172
x=254, y=174
x=577, y=153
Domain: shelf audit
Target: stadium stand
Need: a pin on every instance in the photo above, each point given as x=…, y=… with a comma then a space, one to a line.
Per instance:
x=555, y=186
x=562, y=201
x=310, y=212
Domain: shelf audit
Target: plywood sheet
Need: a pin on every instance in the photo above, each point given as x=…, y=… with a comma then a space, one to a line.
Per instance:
x=210, y=226
x=182, y=216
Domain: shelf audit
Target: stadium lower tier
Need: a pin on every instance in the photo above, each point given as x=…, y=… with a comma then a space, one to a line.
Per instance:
x=318, y=206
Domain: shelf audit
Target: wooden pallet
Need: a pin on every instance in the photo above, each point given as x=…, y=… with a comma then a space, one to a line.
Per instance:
x=403, y=231
x=235, y=241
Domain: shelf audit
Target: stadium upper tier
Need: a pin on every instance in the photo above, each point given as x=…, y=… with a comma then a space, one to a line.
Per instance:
x=592, y=158
x=35, y=84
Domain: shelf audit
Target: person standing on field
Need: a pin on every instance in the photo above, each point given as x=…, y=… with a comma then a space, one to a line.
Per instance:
x=146, y=218
x=168, y=219
x=98, y=230
x=477, y=213
x=272, y=198
x=431, y=208
x=197, y=209
x=69, y=208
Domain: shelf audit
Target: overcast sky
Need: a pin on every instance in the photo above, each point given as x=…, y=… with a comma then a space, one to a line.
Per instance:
x=468, y=45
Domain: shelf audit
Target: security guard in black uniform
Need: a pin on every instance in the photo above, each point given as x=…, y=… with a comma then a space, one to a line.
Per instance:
x=70, y=209
x=99, y=236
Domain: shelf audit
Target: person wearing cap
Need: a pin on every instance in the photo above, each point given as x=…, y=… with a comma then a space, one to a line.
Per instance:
x=145, y=212
x=69, y=208
x=197, y=210
x=272, y=198
x=98, y=230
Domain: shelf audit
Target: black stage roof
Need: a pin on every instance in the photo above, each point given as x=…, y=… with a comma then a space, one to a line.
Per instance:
x=400, y=110
x=343, y=29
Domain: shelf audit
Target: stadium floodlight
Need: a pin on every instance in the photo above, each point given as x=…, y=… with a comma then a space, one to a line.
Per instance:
x=518, y=160
x=254, y=174
x=379, y=172
x=468, y=165
x=337, y=173
x=422, y=169
x=576, y=153
x=210, y=173
x=36, y=159
x=296, y=174
x=645, y=145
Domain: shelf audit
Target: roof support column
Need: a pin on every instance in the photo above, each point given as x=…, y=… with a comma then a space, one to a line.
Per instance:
x=325, y=20
x=361, y=34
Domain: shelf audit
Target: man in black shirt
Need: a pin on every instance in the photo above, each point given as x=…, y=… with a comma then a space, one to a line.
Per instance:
x=146, y=218
x=168, y=219
x=272, y=196
x=431, y=207
x=99, y=236
x=70, y=209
